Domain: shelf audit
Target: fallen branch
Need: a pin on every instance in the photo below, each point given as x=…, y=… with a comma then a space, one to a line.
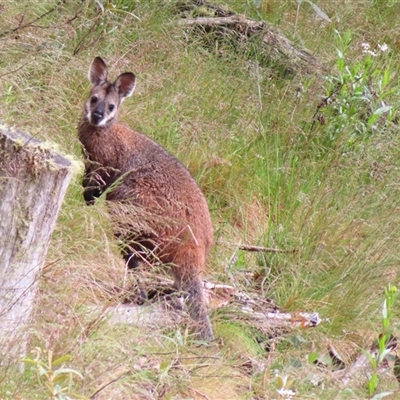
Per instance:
x=233, y=22
x=165, y=311
x=273, y=45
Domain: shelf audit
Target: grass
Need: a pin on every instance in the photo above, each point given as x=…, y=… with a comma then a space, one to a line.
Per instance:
x=272, y=177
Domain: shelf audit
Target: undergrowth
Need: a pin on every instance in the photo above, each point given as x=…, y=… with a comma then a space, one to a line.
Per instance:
x=307, y=164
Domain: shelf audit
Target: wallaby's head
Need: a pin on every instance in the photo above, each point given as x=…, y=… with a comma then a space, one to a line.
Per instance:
x=105, y=98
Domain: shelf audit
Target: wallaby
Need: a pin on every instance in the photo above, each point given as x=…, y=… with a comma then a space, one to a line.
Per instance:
x=157, y=209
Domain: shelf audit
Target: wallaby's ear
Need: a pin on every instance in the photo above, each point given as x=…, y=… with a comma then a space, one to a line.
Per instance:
x=125, y=84
x=98, y=72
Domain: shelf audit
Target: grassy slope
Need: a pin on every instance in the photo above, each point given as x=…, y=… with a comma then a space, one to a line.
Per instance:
x=270, y=180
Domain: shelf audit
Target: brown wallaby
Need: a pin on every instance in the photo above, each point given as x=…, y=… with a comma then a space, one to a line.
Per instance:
x=157, y=209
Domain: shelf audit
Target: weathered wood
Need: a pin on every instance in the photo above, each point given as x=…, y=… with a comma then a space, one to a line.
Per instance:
x=161, y=312
x=275, y=46
x=33, y=181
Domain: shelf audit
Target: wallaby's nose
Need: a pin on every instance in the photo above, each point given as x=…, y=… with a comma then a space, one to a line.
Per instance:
x=97, y=116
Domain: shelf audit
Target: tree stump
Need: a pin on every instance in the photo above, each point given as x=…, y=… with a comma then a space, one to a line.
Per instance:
x=33, y=182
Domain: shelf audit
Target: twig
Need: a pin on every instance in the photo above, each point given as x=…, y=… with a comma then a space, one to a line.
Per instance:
x=30, y=23
x=248, y=247
x=13, y=71
x=117, y=375
x=197, y=357
x=50, y=265
x=200, y=394
x=81, y=44
x=264, y=249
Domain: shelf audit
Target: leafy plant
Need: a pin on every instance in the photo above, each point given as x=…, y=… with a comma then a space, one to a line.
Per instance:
x=56, y=378
x=355, y=102
x=383, y=345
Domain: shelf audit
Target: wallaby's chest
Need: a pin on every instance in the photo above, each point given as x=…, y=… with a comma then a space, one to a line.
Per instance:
x=107, y=149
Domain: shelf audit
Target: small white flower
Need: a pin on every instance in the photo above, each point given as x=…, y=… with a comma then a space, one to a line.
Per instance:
x=365, y=46
x=366, y=49
x=383, y=47
x=286, y=393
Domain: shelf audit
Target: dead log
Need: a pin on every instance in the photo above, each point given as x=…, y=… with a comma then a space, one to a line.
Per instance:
x=33, y=181
x=273, y=46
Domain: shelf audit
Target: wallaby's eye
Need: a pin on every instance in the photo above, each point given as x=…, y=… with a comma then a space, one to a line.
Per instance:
x=93, y=100
x=111, y=107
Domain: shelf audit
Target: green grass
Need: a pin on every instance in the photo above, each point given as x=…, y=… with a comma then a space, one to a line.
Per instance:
x=271, y=174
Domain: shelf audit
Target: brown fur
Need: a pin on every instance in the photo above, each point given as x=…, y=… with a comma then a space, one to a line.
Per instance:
x=156, y=206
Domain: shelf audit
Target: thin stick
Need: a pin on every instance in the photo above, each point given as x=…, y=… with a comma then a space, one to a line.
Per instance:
x=248, y=247
x=117, y=375
x=264, y=249
x=30, y=23
x=15, y=70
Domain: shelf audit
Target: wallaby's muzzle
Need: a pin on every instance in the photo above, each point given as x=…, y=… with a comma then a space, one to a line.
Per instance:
x=97, y=115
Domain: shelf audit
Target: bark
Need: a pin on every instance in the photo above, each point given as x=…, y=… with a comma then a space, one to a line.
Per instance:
x=33, y=181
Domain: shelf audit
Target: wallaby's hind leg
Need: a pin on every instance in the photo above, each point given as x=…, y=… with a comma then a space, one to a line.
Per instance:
x=198, y=309
x=196, y=301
